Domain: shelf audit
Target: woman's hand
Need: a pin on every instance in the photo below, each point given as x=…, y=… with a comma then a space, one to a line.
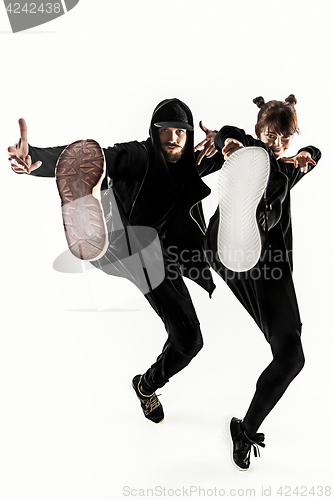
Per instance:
x=300, y=161
x=230, y=146
x=207, y=144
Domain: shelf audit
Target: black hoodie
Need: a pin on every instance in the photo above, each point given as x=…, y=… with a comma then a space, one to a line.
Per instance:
x=148, y=194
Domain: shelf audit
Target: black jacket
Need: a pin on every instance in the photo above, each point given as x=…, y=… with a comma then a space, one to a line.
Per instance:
x=286, y=170
x=148, y=194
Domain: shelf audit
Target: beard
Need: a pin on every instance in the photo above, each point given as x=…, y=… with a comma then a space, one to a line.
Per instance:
x=172, y=156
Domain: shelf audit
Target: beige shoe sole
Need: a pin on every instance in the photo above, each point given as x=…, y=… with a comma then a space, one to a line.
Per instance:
x=79, y=173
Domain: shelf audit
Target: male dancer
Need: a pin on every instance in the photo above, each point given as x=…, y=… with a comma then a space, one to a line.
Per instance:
x=151, y=184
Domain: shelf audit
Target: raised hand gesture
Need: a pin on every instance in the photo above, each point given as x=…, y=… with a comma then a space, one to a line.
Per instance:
x=207, y=144
x=300, y=161
x=19, y=157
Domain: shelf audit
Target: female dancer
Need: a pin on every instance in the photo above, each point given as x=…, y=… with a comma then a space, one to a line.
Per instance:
x=249, y=244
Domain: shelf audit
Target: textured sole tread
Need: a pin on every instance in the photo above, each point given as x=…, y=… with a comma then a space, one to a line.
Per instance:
x=79, y=172
x=242, y=183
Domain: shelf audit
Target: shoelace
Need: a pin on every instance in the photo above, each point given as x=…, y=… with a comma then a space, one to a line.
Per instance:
x=255, y=447
x=152, y=403
x=255, y=444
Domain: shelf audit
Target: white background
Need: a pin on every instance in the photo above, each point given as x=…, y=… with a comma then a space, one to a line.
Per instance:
x=70, y=427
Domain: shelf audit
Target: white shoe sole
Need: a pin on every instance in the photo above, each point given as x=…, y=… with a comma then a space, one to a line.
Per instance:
x=242, y=183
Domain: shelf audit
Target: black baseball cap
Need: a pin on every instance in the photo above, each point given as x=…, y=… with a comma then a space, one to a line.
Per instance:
x=172, y=115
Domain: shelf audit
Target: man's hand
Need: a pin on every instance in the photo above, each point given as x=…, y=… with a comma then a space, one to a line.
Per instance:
x=300, y=161
x=20, y=160
x=207, y=144
x=230, y=146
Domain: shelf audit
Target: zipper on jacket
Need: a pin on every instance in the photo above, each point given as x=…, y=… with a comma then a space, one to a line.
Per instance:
x=197, y=223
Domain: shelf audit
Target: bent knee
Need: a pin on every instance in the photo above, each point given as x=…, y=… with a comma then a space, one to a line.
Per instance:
x=290, y=366
x=296, y=364
x=288, y=353
x=301, y=361
x=189, y=341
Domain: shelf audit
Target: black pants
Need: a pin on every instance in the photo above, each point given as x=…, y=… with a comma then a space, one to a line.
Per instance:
x=267, y=293
x=170, y=300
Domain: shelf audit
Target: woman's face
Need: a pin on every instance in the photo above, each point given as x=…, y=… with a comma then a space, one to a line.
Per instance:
x=277, y=142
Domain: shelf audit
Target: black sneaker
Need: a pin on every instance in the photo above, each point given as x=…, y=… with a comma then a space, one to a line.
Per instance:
x=241, y=444
x=151, y=406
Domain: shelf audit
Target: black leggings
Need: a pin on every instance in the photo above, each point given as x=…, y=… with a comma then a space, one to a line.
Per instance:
x=267, y=293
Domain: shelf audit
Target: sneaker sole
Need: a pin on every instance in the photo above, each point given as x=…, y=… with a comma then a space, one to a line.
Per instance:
x=242, y=183
x=154, y=421
x=79, y=173
x=227, y=434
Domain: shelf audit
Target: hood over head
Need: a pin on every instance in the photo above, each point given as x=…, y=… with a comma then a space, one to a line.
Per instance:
x=175, y=114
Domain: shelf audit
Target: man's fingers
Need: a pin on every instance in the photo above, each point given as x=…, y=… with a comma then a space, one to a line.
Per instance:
x=19, y=165
x=23, y=129
x=34, y=166
x=16, y=166
x=201, y=144
x=201, y=125
x=211, y=150
x=16, y=158
x=211, y=153
x=17, y=161
x=208, y=151
x=18, y=170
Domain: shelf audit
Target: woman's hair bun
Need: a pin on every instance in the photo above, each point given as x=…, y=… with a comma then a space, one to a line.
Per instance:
x=291, y=99
x=259, y=101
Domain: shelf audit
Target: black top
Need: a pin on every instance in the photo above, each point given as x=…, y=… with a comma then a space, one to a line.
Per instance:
x=293, y=176
x=151, y=193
